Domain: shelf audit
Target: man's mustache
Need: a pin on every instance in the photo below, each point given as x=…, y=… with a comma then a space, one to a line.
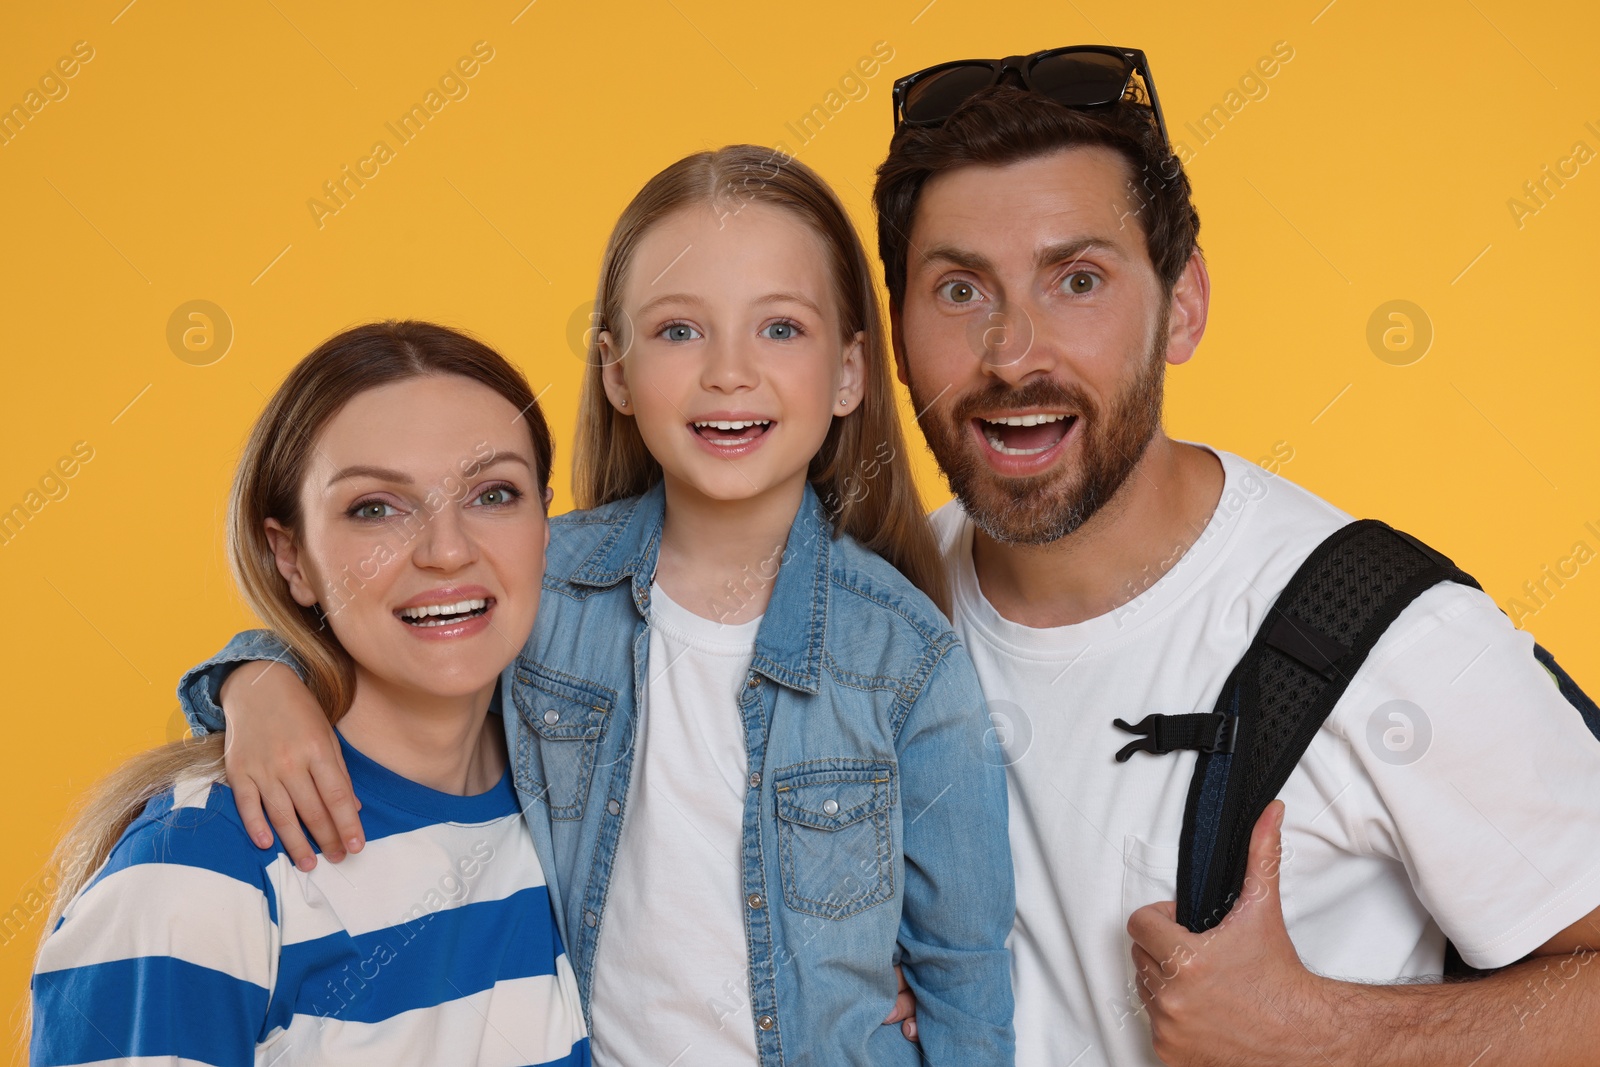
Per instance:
x=1039, y=393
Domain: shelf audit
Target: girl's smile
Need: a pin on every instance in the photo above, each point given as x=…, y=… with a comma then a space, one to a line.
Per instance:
x=731, y=434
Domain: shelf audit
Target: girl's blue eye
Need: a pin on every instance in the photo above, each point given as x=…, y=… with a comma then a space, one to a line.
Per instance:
x=680, y=331
x=780, y=331
x=1080, y=281
x=959, y=292
x=373, y=510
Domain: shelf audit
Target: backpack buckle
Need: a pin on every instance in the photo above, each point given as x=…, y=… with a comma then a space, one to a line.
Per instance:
x=1227, y=735
x=1211, y=734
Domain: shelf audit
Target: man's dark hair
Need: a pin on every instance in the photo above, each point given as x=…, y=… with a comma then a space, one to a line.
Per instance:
x=1005, y=124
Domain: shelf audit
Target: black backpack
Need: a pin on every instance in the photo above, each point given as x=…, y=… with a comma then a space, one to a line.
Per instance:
x=1315, y=637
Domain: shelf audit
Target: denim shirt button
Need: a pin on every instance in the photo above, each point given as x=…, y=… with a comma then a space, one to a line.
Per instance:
x=613, y=807
x=754, y=681
x=830, y=807
x=755, y=780
x=590, y=918
x=754, y=900
x=552, y=717
x=766, y=1022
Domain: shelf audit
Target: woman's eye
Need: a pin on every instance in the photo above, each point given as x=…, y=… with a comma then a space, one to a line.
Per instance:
x=780, y=331
x=373, y=509
x=959, y=292
x=498, y=496
x=680, y=331
x=1080, y=281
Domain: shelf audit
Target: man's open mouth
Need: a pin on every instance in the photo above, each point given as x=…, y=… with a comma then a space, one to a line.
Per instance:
x=1025, y=435
x=430, y=615
x=731, y=433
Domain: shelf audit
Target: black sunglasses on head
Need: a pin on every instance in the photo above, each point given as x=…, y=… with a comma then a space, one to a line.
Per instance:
x=1079, y=76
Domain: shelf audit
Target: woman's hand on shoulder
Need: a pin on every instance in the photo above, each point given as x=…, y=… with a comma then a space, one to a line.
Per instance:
x=284, y=764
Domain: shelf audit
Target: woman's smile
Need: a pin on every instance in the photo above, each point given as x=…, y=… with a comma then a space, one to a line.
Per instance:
x=447, y=613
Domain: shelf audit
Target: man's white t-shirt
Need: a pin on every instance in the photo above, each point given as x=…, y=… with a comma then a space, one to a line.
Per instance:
x=671, y=971
x=1451, y=793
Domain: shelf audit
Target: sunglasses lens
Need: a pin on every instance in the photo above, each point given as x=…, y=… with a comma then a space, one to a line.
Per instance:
x=937, y=96
x=1081, y=79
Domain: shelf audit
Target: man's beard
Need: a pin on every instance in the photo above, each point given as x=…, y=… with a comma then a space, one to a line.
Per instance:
x=1047, y=507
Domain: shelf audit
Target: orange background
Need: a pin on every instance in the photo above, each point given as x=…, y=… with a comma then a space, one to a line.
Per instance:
x=1379, y=163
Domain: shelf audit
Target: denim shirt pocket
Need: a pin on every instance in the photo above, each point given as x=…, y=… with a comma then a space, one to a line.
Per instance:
x=562, y=720
x=835, y=841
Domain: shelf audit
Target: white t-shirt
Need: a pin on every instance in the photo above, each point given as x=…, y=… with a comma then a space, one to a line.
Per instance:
x=671, y=971
x=1472, y=816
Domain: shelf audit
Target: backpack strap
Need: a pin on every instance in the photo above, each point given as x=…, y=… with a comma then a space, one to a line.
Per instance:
x=1314, y=638
x=1569, y=689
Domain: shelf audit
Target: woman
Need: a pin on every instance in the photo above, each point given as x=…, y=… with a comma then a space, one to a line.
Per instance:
x=388, y=523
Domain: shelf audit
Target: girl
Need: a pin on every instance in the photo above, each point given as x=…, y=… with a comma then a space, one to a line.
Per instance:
x=388, y=522
x=750, y=751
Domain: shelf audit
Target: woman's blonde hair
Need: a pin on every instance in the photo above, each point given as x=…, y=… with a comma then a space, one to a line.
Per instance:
x=861, y=474
x=267, y=485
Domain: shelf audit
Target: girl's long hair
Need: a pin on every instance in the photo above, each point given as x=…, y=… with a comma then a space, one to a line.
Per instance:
x=861, y=474
x=267, y=485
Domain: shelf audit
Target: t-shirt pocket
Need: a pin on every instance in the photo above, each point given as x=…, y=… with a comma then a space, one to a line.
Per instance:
x=835, y=842
x=1149, y=875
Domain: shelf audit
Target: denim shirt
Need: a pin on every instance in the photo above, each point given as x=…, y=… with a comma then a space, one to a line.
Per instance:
x=874, y=827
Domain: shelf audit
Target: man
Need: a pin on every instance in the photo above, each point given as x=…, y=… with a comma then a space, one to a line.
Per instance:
x=1043, y=270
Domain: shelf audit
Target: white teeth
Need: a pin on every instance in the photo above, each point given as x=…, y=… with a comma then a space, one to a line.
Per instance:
x=1000, y=447
x=724, y=424
x=458, y=608
x=991, y=435
x=1026, y=420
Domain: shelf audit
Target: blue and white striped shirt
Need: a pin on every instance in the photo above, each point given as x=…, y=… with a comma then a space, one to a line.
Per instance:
x=435, y=945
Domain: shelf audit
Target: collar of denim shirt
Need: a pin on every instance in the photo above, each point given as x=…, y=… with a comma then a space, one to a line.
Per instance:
x=789, y=642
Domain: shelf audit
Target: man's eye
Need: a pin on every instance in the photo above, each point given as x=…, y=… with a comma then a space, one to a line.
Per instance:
x=959, y=292
x=679, y=331
x=780, y=331
x=1080, y=281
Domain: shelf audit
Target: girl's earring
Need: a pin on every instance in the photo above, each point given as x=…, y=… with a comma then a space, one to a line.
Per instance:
x=624, y=403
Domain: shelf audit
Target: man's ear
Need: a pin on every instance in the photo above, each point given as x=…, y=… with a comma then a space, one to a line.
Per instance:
x=286, y=553
x=1191, y=302
x=898, y=343
x=611, y=376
